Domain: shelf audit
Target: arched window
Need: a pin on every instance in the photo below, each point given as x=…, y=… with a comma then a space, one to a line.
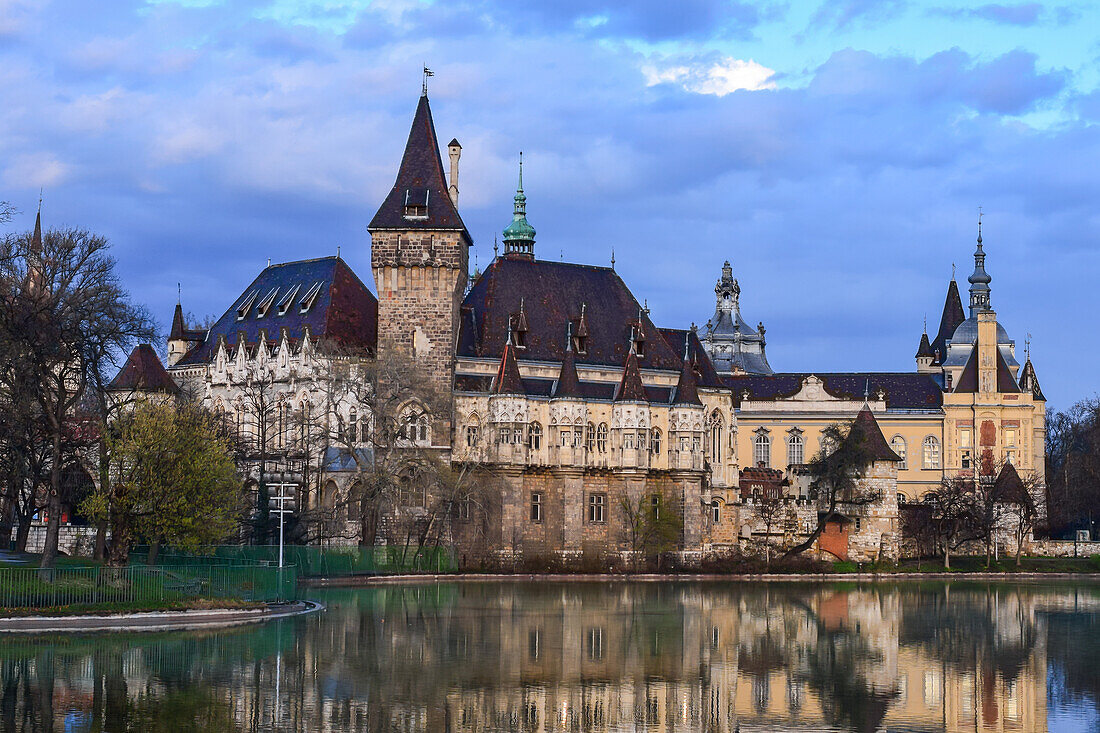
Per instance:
x=796, y=449
x=762, y=450
x=902, y=498
x=414, y=427
x=473, y=431
x=601, y=437
x=655, y=442
x=590, y=437
x=931, y=453
x=715, y=511
x=534, y=435
x=715, y=437
x=364, y=428
x=353, y=425
x=897, y=444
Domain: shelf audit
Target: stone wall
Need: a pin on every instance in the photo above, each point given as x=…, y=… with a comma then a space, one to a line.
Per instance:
x=71, y=540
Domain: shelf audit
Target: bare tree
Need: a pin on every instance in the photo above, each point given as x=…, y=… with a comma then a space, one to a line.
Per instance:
x=773, y=511
x=651, y=527
x=956, y=508
x=64, y=317
x=7, y=211
x=834, y=479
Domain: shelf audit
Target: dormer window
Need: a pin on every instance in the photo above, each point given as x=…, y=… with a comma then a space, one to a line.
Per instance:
x=246, y=305
x=416, y=203
x=287, y=301
x=265, y=304
x=310, y=297
x=580, y=344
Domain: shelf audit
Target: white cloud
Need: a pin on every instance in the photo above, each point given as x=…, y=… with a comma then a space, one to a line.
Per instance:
x=719, y=78
x=35, y=170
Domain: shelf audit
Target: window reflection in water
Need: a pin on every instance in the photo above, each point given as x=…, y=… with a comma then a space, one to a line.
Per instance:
x=586, y=656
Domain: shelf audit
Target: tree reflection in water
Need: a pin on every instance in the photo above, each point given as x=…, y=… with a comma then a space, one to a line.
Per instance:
x=695, y=656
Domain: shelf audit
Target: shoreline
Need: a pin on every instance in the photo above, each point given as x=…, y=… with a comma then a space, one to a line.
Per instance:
x=155, y=620
x=359, y=581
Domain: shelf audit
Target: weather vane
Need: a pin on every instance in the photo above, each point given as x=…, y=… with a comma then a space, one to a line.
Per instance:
x=424, y=84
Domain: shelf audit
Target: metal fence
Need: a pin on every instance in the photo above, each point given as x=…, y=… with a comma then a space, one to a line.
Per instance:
x=315, y=561
x=139, y=584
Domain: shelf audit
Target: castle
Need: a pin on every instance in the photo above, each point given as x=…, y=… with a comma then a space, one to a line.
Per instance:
x=563, y=387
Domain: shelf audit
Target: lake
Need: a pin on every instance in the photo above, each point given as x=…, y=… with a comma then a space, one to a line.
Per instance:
x=578, y=656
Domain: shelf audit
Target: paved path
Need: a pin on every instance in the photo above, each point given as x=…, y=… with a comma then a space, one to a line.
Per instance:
x=155, y=621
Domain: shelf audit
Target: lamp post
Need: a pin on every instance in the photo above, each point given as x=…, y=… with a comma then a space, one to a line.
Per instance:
x=284, y=493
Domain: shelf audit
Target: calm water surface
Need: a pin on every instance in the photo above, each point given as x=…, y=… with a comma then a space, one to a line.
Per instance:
x=687, y=656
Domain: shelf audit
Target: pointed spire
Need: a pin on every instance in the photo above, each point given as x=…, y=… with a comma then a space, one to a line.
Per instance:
x=953, y=315
x=519, y=236
x=178, y=326
x=36, y=241
x=925, y=348
x=980, y=279
x=1029, y=382
x=569, y=384
x=508, y=380
x=630, y=386
x=866, y=431
x=687, y=392
x=420, y=197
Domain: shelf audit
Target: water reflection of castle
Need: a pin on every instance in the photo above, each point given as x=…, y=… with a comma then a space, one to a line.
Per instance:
x=580, y=656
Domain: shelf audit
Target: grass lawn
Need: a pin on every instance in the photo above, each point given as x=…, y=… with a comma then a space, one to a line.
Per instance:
x=63, y=561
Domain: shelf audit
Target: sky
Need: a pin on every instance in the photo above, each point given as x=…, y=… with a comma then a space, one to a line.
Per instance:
x=835, y=152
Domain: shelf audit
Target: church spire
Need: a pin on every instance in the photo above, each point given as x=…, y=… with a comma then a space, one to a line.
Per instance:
x=519, y=236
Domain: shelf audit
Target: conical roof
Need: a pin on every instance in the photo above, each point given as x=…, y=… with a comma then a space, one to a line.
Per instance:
x=569, y=384
x=37, y=237
x=687, y=392
x=1029, y=382
x=178, y=326
x=953, y=316
x=420, y=180
x=143, y=372
x=924, y=348
x=865, y=430
x=508, y=380
x=630, y=387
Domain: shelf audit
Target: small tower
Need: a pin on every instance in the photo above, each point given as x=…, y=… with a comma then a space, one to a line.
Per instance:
x=519, y=236
x=979, y=280
x=925, y=355
x=420, y=260
x=734, y=346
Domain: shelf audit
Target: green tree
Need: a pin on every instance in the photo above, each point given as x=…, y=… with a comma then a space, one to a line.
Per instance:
x=174, y=480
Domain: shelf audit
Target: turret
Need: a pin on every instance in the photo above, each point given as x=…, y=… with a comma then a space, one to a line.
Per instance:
x=519, y=236
x=925, y=355
x=979, y=280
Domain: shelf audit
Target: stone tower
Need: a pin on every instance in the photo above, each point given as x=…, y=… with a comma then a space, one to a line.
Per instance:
x=420, y=258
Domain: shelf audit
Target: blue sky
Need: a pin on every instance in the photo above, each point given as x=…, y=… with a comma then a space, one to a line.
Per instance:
x=836, y=152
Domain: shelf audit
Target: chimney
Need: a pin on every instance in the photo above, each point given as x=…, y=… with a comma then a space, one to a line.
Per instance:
x=454, y=150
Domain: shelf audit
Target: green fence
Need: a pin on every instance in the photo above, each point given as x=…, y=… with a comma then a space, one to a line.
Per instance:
x=26, y=587
x=319, y=561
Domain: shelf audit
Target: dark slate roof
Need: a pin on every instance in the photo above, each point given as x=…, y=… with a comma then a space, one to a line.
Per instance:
x=924, y=348
x=568, y=384
x=904, y=390
x=1029, y=382
x=631, y=388
x=686, y=393
x=143, y=372
x=953, y=315
x=552, y=294
x=1009, y=488
x=508, y=380
x=865, y=430
x=968, y=380
x=179, y=331
x=420, y=177
x=344, y=312
x=705, y=373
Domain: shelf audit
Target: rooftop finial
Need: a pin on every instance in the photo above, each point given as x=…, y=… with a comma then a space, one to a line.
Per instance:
x=1027, y=347
x=952, y=270
x=568, y=335
x=612, y=258
x=337, y=251
x=519, y=236
x=866, y=389
x=495, y=252
x=40, y=190
x=926, y=323
x=179, y=294
x=424, y=84
x=979, y=225
x=687, y=339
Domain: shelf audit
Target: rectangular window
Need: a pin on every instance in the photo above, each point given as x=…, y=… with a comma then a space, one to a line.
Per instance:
x=471, y=436
x=465, y=509
x=655, y=506
x=536, y=506
x=641, y=439
x=628, y=440
x=966, y=463
x=505, y=435
x=1010, y=436
x=564, y=437
x=964, y=438
x=597, y=508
